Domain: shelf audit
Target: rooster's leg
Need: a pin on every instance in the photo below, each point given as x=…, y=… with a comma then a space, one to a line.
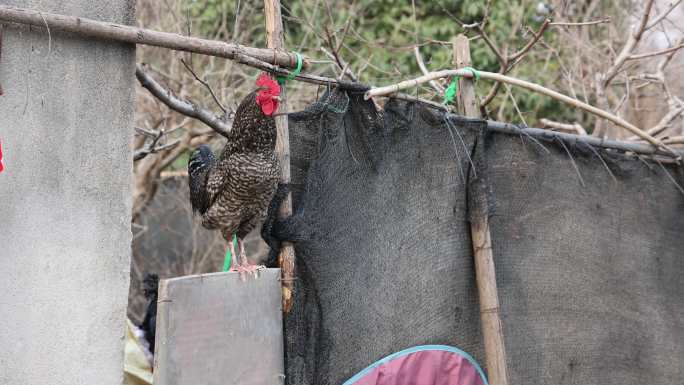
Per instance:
x=244, y=264
x=234, y=260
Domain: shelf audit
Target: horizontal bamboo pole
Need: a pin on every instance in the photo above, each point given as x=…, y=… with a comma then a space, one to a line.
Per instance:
x=387, y=90
x=128, y=34
x=539, y=133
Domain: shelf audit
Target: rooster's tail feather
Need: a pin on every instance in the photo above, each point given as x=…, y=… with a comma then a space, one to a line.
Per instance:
x=201, y=161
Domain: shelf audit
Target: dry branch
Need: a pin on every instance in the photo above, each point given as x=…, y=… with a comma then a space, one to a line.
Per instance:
x=507, y=62
x=674, y=140
x=387, y=90
x=421, y=64
x=184, y=107
x=572, y=128
x=128, y=34
x=579, y=24
x=656, y=53
x=663, y=15
x=664, y=123
x=153, y=148
x=343, y=65
x=206, y=85
x=629, y=47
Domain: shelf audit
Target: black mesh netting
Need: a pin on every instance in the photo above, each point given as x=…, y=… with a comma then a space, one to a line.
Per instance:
x=588, y=248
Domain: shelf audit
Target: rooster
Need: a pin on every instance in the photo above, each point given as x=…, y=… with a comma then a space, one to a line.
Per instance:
x=232, y=193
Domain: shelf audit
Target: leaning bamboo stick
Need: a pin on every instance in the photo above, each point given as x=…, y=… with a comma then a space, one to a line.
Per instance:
x=391, y=89
x=128, y=34
x=286, y=258
x=492, y=331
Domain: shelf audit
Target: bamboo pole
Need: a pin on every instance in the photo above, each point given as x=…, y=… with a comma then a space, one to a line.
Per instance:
x=391, y=89
x=128, y=34
x=275, y=40
x=492, y=331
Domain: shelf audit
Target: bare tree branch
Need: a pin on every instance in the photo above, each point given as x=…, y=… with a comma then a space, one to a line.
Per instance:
x=629, y=47
x=184, y=107
x=656, y=53
x=153, y=148
x=663, y=15
x=575, y=128
x=206, y=85
x=581, y=23
x=535, y=38
x=509, y=61
x=433, y=83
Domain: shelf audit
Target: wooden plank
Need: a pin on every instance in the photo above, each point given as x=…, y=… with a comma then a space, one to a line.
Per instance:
x=492, y=331
x=286, y=258
x=218, y=329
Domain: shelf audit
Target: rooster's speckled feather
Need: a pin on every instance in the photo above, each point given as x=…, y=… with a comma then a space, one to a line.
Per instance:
x=233, y=192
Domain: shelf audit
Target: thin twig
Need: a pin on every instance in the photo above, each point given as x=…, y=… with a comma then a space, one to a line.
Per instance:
x=153, y=148
x=340, y=64
x=666, y=121
x=629, y=47
x=580, y=24
x=655, y=53
x=184, y=107
x=674, y=140
x=509, y=61
x=573, y=128
x=206, y=85
x=535, y=38
x=515, y=104
x=419, y=58
x=663, y=15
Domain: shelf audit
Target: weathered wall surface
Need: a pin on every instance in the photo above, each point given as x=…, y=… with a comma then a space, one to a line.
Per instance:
x=65, y=199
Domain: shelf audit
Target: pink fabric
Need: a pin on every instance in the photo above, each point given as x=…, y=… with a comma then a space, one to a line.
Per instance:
x=430, y=367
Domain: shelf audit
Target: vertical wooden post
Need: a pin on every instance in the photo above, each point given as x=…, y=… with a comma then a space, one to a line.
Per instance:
x=492, y=331
x=275, y=39
x=466, y=100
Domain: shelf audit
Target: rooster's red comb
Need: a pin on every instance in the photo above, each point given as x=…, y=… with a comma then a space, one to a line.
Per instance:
x=267, y=96
x=268, y=84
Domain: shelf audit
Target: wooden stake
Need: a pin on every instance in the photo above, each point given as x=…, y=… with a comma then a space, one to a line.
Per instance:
x=492, y=331
x=275, y=40
x=466, y=102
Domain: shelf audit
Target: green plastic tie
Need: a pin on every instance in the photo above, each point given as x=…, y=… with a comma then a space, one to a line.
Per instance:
x=450, y=92
x=229, y=256
x=293, y=74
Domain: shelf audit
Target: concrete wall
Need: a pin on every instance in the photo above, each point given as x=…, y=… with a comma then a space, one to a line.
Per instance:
x=65, y=199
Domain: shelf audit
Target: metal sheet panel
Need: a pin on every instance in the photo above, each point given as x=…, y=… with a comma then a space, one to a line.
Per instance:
x=220, y=329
